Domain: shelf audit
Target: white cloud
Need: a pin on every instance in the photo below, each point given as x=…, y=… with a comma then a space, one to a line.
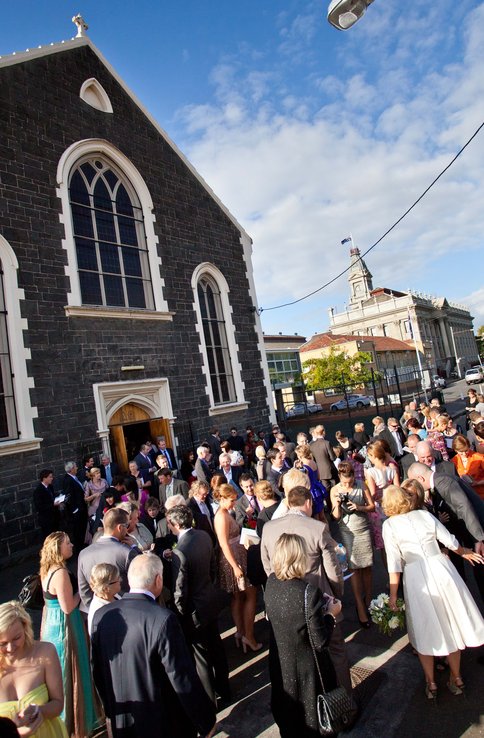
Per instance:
x=301, y=170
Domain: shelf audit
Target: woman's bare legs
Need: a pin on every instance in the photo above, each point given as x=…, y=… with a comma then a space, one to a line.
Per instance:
x=356, y=586
x=249, y=607
x=367, y=577
x=237, y=609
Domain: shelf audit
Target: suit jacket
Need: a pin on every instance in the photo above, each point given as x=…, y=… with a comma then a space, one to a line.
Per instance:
x=75, y=509
x=47, y=513
x=237, y=471
x=463, y=501
x=203, y=471
x=200, y=520
x=194, y=572
x=106, y=550
x=388, y=436
x=144, y=463
x=324, y=457
x=115, y=470
x=144, y=672
x=240, y=507
x=215, y=448
x=323, y=569
x=170, y=457
x=180, y=487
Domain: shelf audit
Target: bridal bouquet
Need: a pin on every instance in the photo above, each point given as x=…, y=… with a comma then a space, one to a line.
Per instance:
x=385, y=619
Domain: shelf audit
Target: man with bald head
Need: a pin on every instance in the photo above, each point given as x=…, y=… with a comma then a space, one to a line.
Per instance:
x=410, y=455
x=459, y=509
x=430, y=457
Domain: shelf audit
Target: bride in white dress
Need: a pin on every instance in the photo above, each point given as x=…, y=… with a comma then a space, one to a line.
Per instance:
x=442, y=617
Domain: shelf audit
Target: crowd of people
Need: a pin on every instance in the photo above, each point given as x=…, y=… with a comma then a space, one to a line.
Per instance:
x=136, y=567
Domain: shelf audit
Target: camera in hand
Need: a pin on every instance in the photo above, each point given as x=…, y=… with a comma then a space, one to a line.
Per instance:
x=344, y=499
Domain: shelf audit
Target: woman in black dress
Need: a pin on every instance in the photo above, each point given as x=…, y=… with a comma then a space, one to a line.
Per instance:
x=293, y=672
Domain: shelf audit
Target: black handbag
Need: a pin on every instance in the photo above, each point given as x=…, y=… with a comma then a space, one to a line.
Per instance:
x=30, y=595
x=336, y=709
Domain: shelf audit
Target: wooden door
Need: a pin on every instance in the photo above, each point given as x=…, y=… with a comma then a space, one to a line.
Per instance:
x=126, y=415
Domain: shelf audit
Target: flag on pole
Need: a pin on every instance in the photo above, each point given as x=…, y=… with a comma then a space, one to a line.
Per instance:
x=346, y=240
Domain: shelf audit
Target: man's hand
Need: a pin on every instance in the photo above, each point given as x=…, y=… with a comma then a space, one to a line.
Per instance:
x=479, y=548
x=444, y=517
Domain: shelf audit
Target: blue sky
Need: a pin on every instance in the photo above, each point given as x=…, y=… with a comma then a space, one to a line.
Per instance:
x=308, y=134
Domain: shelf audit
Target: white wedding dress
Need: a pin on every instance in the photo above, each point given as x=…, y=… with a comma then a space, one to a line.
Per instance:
x=441, y=614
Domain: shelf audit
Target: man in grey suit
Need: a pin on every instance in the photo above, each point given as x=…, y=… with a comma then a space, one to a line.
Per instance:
x=170, y=486
x=197, y=600
x=323, y=569
x=433, y=459
x=323, y=455
x=108, y=549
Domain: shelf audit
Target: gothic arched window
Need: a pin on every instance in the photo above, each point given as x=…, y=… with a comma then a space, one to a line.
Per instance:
x=215, y=337
x=8, y=416
x=109, y=236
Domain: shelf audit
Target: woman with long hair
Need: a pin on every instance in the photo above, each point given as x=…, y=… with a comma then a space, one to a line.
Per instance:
x=351, y=504
x=31, y=693
x=298, y=614
x=233, y=569
x=469, y=464
x=442, y=618
x=62, y=625
x=378, y=477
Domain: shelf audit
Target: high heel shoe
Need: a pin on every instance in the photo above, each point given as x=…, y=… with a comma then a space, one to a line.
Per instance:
x=431, y=691
x=456, y=686
x=363, y=623
x=247, y=644
x=238, y=638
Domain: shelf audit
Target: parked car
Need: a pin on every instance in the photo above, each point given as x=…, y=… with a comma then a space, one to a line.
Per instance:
x=357, y=401
x=300, y=409
x=438, y=381
x=474, y=374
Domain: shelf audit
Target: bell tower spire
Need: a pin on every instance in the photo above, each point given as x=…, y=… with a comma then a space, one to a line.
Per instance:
x=359, y=278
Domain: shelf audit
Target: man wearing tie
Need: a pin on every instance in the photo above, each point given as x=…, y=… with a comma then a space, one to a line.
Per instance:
x=202, y=510
x=163, y=450
x=247, y=507
x=109, y=469
x=75, y=509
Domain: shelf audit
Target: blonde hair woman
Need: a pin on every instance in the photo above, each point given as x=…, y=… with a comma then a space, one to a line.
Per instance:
x=442, y=618
x=294, y=677
x=105, y=582
x=233, y=569
x=31, y=692
x=62, y=625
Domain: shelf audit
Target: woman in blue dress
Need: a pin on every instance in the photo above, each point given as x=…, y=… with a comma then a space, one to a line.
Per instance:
x=62, y=625
x=318, y=490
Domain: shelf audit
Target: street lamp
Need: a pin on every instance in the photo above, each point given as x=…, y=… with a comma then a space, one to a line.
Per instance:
x=342, y=14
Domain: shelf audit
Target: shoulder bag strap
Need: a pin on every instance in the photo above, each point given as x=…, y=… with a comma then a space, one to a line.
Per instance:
x=52, y=574
x=310, y=639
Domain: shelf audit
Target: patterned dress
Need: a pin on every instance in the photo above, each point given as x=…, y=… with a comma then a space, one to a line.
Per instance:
x=382, y=478
x=227, y=579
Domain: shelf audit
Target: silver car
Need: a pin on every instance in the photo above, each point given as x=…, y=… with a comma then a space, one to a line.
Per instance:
x=474, y=374
x=357, y=401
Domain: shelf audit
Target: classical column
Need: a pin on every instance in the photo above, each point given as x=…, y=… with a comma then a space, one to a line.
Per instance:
x=445, y=338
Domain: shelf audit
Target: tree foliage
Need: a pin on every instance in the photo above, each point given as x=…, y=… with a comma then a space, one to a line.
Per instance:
x=338, y=370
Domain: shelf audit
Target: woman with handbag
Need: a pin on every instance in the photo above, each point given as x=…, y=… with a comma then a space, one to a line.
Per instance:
x=300, y=667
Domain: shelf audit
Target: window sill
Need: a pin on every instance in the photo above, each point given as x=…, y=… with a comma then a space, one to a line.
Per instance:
x=94, y=311
x=229, y=407
x=19, y=446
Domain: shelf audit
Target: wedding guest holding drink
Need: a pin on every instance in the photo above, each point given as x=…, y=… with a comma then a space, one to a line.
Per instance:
x=442, y=618
x=233, y=569
x=31, y=693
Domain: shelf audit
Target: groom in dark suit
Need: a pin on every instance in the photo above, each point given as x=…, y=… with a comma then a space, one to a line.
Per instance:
x=142, y=667
x=198, y=601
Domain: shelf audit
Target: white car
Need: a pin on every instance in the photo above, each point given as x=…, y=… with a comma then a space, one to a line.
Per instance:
x=357, y=401
x=300, y=409
x=438, y=381
x=474, y=374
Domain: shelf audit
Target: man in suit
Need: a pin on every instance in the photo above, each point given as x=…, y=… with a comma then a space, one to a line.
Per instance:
x=83, y=472
x=145, y=463
x=198, y=602
x=45, y=504
x=277, y=468
x=289, y=447
x=170, y=486
x=109, y=469
x=464, y=512
x=395, y=437
x=202, y=467
x=75, y=509
x=433, y=459
x=142, y=667
x=168, y=453
x=323, y=455
x=235, y=440
x=246, y=508
x=202, y=510
x=323, y=569
x=213, y=441
x=108, y=549
x=410, y=455
x=231, y=473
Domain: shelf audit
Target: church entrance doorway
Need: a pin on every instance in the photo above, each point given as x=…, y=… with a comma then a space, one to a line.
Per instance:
x=129, y=427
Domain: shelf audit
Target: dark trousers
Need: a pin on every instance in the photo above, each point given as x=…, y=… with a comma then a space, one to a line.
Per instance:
x=478, y=571
x=210, y=660
x=339, y=657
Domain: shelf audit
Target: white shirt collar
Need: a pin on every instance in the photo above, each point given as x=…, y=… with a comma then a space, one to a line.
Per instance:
x=142, y=592
x=182, y=533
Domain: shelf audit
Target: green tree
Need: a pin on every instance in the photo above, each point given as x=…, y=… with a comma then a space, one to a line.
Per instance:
x=338, y=370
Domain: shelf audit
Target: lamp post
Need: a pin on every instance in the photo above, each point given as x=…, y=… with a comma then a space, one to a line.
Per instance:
x=342, y=14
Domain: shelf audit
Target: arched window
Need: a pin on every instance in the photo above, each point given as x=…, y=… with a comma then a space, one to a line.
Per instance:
x=215, y=335
x=8, y=415
x=109, y=236
x=218, y=345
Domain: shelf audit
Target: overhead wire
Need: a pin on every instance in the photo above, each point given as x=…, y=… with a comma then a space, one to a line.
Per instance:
x=389, y=230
